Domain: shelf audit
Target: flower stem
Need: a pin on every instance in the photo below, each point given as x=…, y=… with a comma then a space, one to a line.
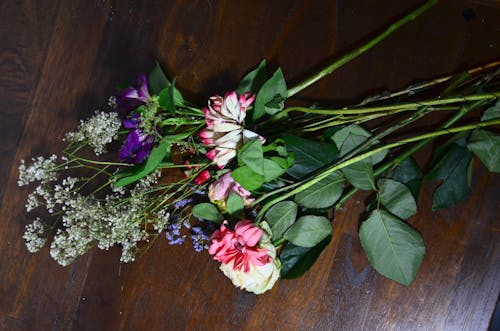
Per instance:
x=412, y=89
x=423, y=111
x=102, y=162
x=352, y=55
x=402, y=106
x=465, y=110
x=328, y=171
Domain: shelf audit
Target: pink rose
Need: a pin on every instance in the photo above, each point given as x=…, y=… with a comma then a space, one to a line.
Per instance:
x=221, y=189
x=248, y=256
x=239, y=246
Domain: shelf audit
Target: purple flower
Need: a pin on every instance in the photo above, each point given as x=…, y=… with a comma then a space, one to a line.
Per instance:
x=132, y=122
x=133, y=96
x=182, y=203
x=199, y=238
x=137, y=147
x=173, y=234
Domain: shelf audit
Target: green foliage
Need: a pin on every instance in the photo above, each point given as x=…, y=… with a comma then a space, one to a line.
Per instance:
x=252, y=155
x=360, y=174
x=254, y=80
x=397, y=198
x=169, y=97
x=451, y=170
x=393, y=248
x=207, y=211
x=296, y=260
x=234, y=203
x=273, y=170
x=308, y=231
x=309, y=155
x=158, y=154
x=273, y=89
x=323, y=194
x=492, y=112
x=280, y=217
x=408, y=173
x=255, y=167
x=351, y=137
x=158, y=81
x=486, y=145
x=247, y=178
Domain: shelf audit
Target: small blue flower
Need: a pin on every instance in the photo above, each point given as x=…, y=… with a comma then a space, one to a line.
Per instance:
x=200, y=235
x=173, y=234
x=182, y=203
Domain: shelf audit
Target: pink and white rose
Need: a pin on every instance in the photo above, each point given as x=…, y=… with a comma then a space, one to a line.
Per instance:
x=247, y=255
x=225, y=130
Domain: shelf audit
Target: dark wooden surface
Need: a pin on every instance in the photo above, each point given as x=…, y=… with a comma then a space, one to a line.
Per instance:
x=60, y=60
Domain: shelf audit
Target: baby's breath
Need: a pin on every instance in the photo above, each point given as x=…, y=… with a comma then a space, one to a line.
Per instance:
x=98, y=131
x=34, y=235
x=41, y=169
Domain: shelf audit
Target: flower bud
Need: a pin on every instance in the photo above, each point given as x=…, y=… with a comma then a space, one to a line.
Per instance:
x=221, y=189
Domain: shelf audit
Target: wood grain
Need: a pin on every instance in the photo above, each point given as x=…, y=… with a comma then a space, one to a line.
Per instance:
x=59, y=60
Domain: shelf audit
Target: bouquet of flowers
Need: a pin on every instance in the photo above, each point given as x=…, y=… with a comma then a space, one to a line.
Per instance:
x=255, y=182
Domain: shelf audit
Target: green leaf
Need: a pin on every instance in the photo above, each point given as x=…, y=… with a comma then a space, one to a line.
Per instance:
x=247, y=178
x=397, y=198
x=234, y=203
x=272, y=170
x=492, y=112
x=408, y=173
x=208, y=212
x=251, y=155
x=169, y=97
x=275, y=85
x=275, y=105
x=393, y=248
x=323, y=194
x=166, y=99
x=309, y=155
x=352, y=136
x=486, y=145
x=281, y=161
x=280, y=217
x=458, y=139
x=254, y=80
x=157, y=80
x=360, y=174
x=296, y=260
x=451, y=169
x=308, y=231
x=154, y=159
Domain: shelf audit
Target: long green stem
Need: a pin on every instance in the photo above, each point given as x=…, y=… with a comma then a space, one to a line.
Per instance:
x=352, y=55
x=102, y=162
x=368, y=110
x=415, y=88
x=356, y=119
x=328, y=171
x=358, y=149
x=465, y=110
